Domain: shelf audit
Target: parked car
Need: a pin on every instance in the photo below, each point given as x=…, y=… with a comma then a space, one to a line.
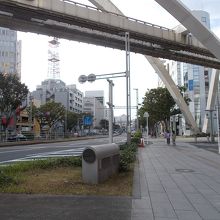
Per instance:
x=18, y=137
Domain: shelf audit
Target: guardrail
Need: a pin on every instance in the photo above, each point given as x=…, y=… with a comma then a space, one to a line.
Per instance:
x=30, y=136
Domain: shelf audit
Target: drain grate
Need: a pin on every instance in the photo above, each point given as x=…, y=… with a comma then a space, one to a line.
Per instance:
x=185, y=170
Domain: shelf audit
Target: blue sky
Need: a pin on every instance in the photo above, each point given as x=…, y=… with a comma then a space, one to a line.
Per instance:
x=78, y=58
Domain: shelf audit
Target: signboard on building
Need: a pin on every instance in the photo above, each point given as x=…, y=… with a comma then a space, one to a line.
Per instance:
x=190, y=85
x=87, y=120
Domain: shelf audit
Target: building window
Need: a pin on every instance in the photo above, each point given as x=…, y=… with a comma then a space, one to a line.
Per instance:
x=204, y=19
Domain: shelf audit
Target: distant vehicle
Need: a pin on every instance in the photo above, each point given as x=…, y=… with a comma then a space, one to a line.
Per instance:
x=117, y=132
x=18, y=137
x=76, y=134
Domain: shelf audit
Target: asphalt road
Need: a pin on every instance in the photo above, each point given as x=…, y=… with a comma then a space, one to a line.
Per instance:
x=28, y=152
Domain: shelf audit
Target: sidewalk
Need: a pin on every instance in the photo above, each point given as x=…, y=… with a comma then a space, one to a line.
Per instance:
x=179, y=182
x=51, y=207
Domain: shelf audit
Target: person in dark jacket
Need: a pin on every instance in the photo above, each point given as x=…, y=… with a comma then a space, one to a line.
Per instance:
x=167, y=136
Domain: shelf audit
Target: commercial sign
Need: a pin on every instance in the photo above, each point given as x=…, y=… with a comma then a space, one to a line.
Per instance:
x=87, y=120
x=190, y=85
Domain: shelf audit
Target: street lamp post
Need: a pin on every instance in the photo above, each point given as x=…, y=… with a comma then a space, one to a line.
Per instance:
x=217, y=107
x=0, y=126
x=110, y=103
x=30, y=116
x=92, y=78
x=137, y=107
x=146, y=115
x=218, y=125
x=66, y=112
x=128, y=87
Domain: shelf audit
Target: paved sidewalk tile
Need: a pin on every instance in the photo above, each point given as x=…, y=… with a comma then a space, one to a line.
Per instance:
x=179, y=182
x=142, y=214
x=188, y=215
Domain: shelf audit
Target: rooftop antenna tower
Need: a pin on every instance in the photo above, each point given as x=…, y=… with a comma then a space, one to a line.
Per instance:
x=53, y=59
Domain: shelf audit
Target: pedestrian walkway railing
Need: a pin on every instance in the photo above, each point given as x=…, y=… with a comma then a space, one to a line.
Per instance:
x=23, y=136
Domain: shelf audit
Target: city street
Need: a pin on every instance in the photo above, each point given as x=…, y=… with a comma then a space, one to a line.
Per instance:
x=46, y=150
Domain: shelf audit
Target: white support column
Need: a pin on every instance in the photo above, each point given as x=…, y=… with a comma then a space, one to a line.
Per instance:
x=158, y=67
x=106, y=5
x=172, y=88
x=213, y=89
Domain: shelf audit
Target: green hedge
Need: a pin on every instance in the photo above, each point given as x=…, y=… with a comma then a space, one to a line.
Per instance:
x=138, y=134
x=127, y=156
x=5, y=179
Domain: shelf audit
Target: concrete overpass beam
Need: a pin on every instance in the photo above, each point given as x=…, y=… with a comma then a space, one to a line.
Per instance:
x=172, y=88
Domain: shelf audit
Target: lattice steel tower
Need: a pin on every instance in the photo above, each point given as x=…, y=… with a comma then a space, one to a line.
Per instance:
x=53, y=59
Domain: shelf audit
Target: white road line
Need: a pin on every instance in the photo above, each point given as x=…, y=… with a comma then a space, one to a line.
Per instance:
x=80, y=144
x=59, y=152
x=63, y=153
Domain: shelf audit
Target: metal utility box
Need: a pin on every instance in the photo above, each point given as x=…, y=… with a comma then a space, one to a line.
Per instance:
x=99, y=162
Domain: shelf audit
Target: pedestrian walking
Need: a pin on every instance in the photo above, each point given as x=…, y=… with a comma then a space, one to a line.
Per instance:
x=208, y=137
x=174, y=138
x=167, y=136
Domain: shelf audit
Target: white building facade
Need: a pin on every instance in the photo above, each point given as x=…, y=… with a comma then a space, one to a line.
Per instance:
x=56, y=90
x=98, y=94
x=10, y=52
x=95, y=108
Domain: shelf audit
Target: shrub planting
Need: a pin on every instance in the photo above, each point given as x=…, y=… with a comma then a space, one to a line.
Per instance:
x=5, y=179
x=127, y=156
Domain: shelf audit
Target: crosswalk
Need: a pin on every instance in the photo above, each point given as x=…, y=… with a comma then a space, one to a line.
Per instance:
x=60, y=153
x=73, y=150
x=53, y=154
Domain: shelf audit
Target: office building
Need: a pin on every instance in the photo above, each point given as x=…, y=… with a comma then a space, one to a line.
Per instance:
x=10, y=52
x=56, y=90
x=98, y=94
x=95, y=108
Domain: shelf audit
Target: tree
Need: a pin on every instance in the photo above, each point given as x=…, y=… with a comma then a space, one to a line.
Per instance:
x=176, y=110
x=104, y=124
x=160, y=105
x=49, y=114
x=12, y=94
x=72, y=120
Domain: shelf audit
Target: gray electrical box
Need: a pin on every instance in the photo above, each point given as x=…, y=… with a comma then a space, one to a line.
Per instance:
x=99, y=162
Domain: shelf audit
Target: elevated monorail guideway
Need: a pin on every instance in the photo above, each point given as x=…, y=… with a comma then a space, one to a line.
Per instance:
x=74, y=21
